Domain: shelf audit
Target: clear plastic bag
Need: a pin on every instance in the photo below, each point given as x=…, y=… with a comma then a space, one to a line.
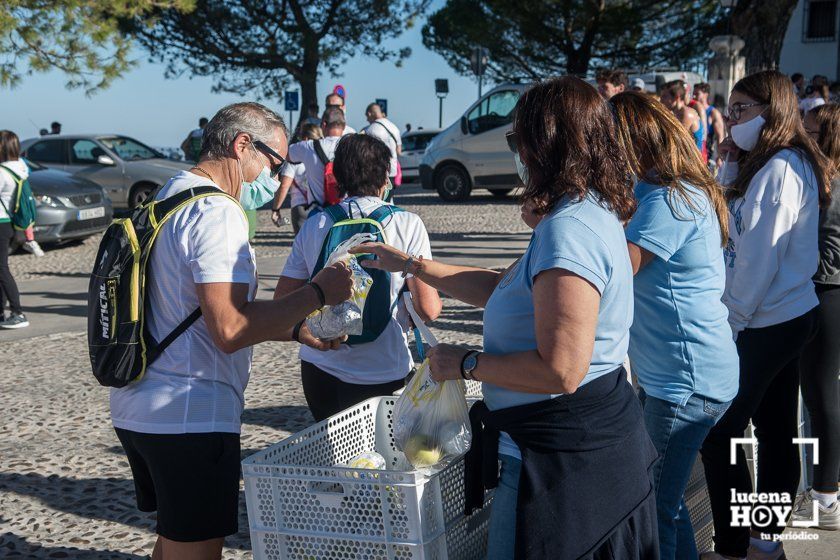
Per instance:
x=431, y=420
x=334, y=321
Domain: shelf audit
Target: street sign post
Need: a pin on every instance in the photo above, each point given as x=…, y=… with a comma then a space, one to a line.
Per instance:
x=441, y=90
x=340, y=91
x=383, y=104
x=478, y=63
x=292, y=103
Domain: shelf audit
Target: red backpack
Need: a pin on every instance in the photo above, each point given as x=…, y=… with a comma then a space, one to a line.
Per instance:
x=331, y=194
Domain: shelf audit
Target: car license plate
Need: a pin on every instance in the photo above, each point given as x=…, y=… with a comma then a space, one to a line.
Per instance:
x=91, y=213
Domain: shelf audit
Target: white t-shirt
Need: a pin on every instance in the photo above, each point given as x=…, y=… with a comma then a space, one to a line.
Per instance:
x=348, y=130
x=772, y=251
x=810, y=103
x=385, y=130
x=308, y=172
x=193, y=387
x=8, y=184
x=387, y=358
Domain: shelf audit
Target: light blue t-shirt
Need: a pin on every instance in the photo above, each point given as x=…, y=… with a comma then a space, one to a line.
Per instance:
x=680, y=342
x=586, y=239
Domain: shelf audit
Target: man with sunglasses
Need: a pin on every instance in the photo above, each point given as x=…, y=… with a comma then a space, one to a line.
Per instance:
x=306, y=170
x=336, y=101
x=180, y=424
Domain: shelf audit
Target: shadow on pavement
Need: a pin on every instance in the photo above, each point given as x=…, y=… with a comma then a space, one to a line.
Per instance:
x=14, y=546
x=287, y=418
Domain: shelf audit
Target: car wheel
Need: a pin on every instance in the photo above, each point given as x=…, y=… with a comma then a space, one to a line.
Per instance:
x=139, y=194
x=501, y=193
x=453, y=184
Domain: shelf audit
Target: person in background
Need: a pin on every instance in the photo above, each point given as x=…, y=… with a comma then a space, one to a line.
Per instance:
x=43, y=132
x=821, y=357
x=303, y=173
x=312, y=115
x=675, y=238
x=561, y=416
x=637, y=84
x=673, y=97
x=191, y=146
x=180, y=426
x=407, y=128
x=383, y=129
x=611, y=82
x=10, y=163
x=815, y=95
x=715, y=127
x=834, y=92
x=798, y=81
x=341, y=378
x=776, y=181
x=55, y=128
x=335, y=100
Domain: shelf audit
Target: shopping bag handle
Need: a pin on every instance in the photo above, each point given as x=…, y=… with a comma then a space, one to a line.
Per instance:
x=418, y=322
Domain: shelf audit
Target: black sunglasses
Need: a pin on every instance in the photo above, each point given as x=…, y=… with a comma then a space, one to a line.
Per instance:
x=276, y=168
x=512, y=141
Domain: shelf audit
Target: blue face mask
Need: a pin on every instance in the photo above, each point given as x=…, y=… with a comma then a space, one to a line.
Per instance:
x=259, y=192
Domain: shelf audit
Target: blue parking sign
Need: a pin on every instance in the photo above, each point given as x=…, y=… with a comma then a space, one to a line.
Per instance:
x=384, y=104
x=292, y=102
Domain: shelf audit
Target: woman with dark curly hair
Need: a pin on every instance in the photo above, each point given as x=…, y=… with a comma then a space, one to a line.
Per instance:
x=558, y=410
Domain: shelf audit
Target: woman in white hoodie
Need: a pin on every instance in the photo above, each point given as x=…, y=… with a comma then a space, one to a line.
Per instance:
x=777, y=180
x=12, y=168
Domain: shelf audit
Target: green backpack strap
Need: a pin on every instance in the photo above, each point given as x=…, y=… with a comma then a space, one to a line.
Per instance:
x=161, y=209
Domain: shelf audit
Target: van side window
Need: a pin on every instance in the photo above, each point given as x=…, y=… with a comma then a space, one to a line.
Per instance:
x=494, y=111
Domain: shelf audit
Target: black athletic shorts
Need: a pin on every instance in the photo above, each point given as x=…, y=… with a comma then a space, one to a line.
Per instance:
x=191, y=480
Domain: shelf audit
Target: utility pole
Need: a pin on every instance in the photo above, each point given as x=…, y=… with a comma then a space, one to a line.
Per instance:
x=478, y=62
x=441, y=90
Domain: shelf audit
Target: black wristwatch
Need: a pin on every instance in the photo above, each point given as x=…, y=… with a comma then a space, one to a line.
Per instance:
x=469, y=363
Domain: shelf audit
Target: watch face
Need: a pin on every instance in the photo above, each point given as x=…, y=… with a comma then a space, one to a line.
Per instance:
x=470, y=363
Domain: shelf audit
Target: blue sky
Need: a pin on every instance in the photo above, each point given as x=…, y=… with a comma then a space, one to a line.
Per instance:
x=160, y=112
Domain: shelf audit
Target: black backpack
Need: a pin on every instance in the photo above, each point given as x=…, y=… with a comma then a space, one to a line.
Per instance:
x=119, y=344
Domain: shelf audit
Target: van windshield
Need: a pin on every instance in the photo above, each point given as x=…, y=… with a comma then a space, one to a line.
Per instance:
x=494, y=111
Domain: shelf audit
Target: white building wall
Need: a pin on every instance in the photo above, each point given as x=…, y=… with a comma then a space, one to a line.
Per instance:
x=807, y=57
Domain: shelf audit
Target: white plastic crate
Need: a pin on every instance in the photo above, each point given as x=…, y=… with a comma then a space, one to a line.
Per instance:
x=302, y=506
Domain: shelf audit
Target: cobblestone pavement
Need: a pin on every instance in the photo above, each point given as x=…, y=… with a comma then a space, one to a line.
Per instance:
x=484, y=215
x=65, y=485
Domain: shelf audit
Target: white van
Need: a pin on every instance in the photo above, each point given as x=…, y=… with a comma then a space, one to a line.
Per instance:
x=472, y=153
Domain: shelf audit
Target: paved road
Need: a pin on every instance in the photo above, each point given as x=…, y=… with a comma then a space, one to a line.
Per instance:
x=65, y=487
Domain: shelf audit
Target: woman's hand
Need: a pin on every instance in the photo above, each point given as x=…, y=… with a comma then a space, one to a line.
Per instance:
x=727, y=150
x=323, y=345
x=388, y=258
x=445, y=361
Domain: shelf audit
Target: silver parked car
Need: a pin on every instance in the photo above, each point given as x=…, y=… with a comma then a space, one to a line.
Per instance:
x=413, y=147
x=126, y=169
x=68, y=207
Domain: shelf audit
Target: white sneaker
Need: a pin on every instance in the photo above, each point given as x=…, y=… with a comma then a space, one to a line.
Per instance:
x=34, y=248
x=828, y=518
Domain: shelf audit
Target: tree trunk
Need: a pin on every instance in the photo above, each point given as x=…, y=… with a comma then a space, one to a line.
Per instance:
x=762, y=25
x=577, y=63
x=308, y=78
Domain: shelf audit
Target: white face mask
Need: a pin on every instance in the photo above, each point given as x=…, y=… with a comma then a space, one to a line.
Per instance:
x=520, y=169
x=745, y=135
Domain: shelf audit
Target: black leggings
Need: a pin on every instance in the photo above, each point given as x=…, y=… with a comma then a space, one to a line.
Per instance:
x=769, y=395
x=8, y=286
x=821, y=389
x=327, y=395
